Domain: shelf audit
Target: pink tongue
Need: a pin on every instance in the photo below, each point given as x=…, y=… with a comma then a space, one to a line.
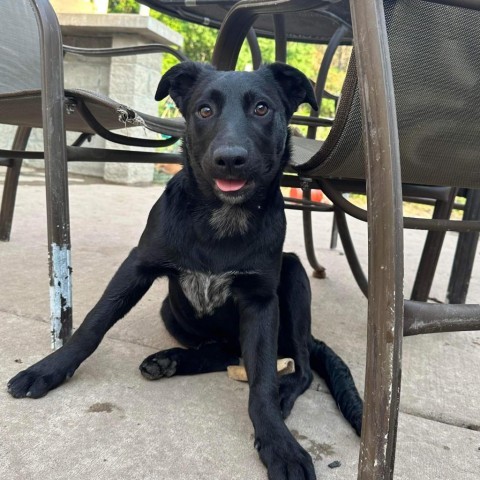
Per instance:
x=230, y=185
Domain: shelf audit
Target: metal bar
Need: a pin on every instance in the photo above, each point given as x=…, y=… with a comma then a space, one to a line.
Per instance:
x=88, y=154
x=465, y=253
x=21, y=154
x=311, y=208
x=20, y=141
x=254, y=49
x=318, y=270
x=334, y=235
x=385, y=272
x=56, y=173
x=118, y=52
x=323, y=74
x=423, y=317
x=408, y=189
x=431, y=252
x=350, y=252
x=408, y=222
x=308, y=203
x=309, y=121
x=430, y=202
x=280, y=38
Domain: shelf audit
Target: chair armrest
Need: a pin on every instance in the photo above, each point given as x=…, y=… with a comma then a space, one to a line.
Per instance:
x=118, y=52
x=240, y=19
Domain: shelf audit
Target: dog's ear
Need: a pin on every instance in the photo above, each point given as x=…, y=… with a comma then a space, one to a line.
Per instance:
x=178, y=82
x=296, y=87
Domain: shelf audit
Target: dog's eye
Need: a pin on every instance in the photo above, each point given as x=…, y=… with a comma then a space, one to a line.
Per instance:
x=205, y=111
x=261, y=109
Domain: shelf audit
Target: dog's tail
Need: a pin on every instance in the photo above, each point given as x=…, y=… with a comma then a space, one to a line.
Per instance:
x=339, y=380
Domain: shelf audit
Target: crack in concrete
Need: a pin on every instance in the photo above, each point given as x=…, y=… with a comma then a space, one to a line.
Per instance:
x=452, y=422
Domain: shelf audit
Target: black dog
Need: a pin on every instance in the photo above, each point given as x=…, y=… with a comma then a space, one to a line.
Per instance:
x=217, y=234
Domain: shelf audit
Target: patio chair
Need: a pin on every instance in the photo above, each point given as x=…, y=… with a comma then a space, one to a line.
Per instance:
x=424, y=134
x=32, y=95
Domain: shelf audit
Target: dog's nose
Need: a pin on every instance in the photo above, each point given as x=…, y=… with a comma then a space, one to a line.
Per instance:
x=230, y=158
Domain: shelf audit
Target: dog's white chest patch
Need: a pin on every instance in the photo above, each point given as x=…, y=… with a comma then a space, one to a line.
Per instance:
x=206, y=291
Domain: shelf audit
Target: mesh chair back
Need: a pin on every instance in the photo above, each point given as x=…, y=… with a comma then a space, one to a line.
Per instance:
x=19, y=47
x=436, y=70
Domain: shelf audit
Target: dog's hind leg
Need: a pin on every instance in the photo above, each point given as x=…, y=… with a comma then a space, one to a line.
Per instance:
x=294, y=334
x=207, y=358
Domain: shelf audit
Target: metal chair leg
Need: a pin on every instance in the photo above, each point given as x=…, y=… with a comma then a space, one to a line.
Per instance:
x=349, y=248
x=465, y=253
x=56, y=174
x=334, y=235
x=318, y=270
x=58, y=223
x=11, y=183
x=431, y=251
x=385, y=230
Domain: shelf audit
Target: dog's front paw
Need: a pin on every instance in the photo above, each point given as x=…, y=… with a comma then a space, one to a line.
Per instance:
x=285, y=460
x=36, y=381
x=158, y=366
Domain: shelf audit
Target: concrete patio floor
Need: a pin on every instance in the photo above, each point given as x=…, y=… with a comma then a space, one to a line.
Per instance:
x=108, y=423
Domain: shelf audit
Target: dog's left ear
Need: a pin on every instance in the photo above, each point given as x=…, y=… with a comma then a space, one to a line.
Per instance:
x=178, y=82
x=295, y=86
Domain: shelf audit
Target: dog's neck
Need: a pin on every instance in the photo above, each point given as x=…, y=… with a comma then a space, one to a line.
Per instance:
x=230, y=220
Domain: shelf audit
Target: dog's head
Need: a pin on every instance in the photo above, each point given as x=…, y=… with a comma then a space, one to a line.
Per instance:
x=236, y=138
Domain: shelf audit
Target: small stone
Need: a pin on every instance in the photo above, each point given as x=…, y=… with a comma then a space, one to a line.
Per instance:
x=18, y=360
x=334, y=464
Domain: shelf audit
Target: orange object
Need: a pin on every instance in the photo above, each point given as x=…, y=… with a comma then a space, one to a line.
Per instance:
x=317, y=195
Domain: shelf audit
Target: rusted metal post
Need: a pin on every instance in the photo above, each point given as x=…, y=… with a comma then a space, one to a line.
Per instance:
x=56, y=173
x=385, y=230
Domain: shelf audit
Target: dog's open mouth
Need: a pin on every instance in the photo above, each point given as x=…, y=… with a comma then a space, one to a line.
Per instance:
x=230, y=185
